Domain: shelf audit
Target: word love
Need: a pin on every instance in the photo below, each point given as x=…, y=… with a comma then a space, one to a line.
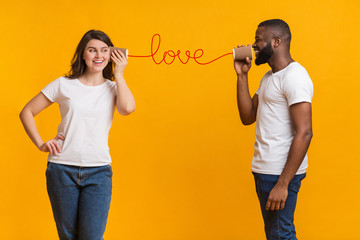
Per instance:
x=169, y=56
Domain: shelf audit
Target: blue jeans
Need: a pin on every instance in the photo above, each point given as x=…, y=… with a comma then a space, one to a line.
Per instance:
x=278, y=224
x=80, y=199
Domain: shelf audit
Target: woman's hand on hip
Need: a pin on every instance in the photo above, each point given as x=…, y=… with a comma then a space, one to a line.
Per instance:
x=52, y=145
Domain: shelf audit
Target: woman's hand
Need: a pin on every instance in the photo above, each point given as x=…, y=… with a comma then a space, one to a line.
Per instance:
x=120, y=62
x=52, y=145
x=125, y=102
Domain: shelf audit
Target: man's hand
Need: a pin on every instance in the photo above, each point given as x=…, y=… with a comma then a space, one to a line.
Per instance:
x=242, y=67
x=277, y=198
x=301, y=119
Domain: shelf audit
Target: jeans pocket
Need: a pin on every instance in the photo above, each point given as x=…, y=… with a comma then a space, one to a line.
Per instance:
x=48, y=166
x=110, y=169
x=295, y=184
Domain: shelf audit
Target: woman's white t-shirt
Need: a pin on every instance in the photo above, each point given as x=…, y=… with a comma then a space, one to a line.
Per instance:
x=87, y=113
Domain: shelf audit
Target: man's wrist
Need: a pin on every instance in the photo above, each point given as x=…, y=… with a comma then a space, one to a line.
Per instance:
x=242, y=76
x=282, y=183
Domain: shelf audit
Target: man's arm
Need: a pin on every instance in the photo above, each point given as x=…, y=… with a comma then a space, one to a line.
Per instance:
x=302, y=121
x=247, y=106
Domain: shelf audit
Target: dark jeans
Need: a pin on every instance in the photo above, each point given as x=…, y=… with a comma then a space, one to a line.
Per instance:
x=80, y=199
x=278, y=224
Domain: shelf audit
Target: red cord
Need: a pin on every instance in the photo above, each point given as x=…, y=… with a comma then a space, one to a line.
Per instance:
x=173, y=55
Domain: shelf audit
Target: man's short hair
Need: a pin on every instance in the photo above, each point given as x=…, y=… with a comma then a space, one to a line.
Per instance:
x=279, y=27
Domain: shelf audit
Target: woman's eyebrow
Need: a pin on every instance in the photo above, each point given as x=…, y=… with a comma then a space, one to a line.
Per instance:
x=95, y=47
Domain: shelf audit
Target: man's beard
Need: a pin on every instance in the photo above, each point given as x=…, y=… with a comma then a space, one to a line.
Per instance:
x=264, y=55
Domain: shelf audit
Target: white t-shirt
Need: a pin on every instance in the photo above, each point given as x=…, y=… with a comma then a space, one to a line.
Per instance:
x=87, y=113
x=274, y=130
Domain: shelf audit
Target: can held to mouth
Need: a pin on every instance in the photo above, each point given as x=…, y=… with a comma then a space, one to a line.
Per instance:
x=241, y=53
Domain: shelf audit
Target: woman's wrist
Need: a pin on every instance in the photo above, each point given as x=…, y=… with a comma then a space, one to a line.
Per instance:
x=40, y=146
x=119, y=77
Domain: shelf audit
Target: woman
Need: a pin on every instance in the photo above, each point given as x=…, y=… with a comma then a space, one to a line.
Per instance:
x=79, y=175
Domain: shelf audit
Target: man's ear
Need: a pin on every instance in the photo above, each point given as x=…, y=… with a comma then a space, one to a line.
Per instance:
x=277, y=41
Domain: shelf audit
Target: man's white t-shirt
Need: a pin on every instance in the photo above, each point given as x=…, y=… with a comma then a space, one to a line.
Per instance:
x=274, y=130
x=87, y=113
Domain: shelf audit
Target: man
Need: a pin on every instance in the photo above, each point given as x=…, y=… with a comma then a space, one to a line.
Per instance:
x=281, y=108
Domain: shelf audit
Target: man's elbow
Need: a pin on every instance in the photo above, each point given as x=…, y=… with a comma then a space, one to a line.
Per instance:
x=247, y=121
x=307, y=134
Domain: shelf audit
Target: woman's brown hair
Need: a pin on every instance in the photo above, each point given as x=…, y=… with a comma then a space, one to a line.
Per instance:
x=78, y=65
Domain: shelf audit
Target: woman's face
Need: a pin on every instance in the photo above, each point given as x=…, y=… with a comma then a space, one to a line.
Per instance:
x=96, y=55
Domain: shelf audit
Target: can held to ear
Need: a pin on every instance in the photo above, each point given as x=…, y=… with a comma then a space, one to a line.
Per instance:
x=241, y=53
x=123, y=50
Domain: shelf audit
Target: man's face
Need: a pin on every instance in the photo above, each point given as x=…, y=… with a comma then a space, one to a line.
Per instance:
x=262, y=46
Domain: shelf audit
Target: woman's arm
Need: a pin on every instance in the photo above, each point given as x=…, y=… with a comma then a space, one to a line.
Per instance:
x=31, y=109
x=125, y=102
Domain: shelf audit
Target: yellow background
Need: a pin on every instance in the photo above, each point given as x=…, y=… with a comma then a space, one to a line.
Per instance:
x=182, y=161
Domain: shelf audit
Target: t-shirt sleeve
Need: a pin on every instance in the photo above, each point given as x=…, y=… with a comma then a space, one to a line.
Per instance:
x=298, y=87
x=51, y=91
x=257, y=91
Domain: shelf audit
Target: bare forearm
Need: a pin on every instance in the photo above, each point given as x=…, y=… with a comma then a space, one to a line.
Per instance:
x=29, y=124
x=246, y=106
x=125, y=101
x=296, y=155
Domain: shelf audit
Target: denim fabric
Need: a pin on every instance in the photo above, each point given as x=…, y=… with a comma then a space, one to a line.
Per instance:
x=80, y=199
x=278, y=224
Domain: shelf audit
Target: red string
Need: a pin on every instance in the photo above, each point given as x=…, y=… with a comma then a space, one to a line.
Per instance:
x=173, y=55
